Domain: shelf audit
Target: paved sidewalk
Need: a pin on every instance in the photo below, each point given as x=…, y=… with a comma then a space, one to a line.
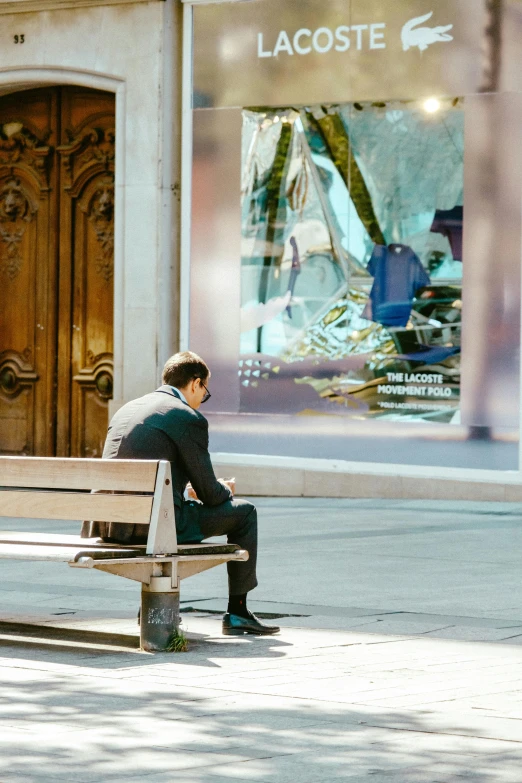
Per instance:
x=378, y=678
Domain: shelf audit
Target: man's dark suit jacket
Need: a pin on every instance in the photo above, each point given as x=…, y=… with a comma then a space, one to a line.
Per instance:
x=161, y=426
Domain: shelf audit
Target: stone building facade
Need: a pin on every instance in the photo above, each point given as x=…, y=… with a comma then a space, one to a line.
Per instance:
x=89, y=144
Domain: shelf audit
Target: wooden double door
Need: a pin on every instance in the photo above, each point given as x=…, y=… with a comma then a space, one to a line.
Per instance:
x=56, y=270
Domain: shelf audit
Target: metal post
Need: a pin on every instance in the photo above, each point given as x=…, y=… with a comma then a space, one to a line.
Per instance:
x=159, y=614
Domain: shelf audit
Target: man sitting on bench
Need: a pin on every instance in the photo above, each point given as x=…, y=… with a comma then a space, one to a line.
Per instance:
x=166, y=424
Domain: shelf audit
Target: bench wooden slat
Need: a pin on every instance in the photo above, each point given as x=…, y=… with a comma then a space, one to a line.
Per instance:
x=58, y=473
x=76, y=506
x=57, y=554
x=61, y=539
x=72, y=555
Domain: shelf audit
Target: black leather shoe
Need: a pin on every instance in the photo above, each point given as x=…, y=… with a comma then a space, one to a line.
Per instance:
x=235, y=625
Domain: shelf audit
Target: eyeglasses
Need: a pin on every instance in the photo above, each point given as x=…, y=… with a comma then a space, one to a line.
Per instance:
x=207, y=393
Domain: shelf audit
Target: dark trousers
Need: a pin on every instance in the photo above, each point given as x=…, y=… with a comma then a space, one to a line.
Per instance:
x=236, y=519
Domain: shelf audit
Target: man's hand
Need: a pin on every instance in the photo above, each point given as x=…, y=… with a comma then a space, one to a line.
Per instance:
x=191, y=492
x=229, y=482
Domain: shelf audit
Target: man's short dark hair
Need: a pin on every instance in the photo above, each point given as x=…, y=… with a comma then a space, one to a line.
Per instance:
x=182, y=368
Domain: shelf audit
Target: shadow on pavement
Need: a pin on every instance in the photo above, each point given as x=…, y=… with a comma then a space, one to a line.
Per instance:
x=101, y=732
x=40, y=642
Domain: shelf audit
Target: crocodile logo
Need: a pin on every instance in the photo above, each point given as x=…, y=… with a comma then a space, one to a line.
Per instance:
x=412, y=35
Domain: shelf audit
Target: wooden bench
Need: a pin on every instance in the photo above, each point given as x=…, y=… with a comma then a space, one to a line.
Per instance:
x=124, y=491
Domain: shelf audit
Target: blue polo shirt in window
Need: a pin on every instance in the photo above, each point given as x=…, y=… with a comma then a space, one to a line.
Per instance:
x=398, y=274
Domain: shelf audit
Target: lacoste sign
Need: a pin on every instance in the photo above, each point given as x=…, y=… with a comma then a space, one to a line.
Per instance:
x=422, y=37
x=318, y=52
x=359, y=36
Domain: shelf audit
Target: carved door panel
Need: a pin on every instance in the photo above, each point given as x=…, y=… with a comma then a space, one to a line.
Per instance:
x=85, y=361
x=56, y=251
x=28, y=245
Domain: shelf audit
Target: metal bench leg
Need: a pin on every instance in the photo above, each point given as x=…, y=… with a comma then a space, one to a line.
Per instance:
x=159, y=613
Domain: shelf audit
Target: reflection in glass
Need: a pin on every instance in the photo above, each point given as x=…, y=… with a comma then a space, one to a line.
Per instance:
x=352, y=219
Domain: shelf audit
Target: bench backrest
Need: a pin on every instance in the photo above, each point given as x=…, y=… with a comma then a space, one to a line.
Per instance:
x=124, y=491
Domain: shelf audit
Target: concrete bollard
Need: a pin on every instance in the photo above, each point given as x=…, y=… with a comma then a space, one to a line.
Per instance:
x=159, y=614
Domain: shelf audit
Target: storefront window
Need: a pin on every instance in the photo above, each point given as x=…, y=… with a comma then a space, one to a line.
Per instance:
x=351, y=267
x=356, y=230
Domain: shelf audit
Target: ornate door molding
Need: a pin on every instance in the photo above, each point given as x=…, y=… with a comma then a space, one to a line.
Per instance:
x=87, y=237
x=16, y=211
x=28, y=199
